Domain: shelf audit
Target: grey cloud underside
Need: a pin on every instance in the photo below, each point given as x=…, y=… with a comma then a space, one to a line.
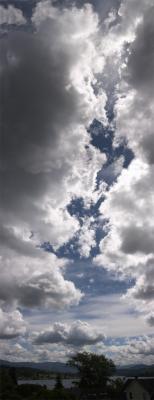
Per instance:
x=139, y=74
x=34, y=96
x=145, y=291
x=150, y=320
x=141, y=60
x=137, y=239
x=35, y=106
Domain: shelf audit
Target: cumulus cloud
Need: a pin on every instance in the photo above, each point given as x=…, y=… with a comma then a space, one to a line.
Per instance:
x=48, y=102
x=17, y=352
x=11, y=15
x=12, y=325
x=48, y=99
x=35, y=281
x=135, y=350
x=137, y=105
x=77, y=334
x=128, y=247
x=50, y=95
x=86, y=237
x=13, y=352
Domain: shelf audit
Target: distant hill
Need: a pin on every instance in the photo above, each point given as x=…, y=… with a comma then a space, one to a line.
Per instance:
x=5, y=363
x=135, y=370
x=42, y=366
x=58, y=367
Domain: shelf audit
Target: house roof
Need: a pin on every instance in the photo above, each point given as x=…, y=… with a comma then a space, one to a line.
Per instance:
x=146, y=383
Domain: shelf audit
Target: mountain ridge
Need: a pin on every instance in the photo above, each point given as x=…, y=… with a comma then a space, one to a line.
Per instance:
x=54, y=366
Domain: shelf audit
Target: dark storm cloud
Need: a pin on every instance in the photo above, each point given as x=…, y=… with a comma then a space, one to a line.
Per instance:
x=35, y=110
x=141, y=59
x=34, y=102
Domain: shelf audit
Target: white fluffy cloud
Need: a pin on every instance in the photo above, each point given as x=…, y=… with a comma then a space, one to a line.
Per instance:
x=77, y=334
x=140, y=349
x=11, y=325
x=17, y=352
x=134, y=350
x=35, y=280
x=11, y=15
x=86, y=238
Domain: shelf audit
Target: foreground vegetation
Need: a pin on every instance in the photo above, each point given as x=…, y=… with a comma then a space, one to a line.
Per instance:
x=94, y=372
x=10, y=390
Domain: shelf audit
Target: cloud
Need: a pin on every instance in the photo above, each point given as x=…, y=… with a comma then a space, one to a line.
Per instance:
x=134, y=350
x=13, y=352
x=141, y=59
x=78, y=334
x=35, y=281
x=86, y=238
x=127, y=248
x=47, y=104
x=48, y=101
x=19, y=352
x=150, y=319
x=11, y=15
x=50, y=96
x=137, y=105
x=12, y=325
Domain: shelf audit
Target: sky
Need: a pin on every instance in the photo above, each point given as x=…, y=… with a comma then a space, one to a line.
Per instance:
x=77, y=179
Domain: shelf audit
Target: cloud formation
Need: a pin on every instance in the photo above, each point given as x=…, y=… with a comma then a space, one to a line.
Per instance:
x=128, y=247
x=150, y=319
x=12, y=325
x=48, y=101
x=77, y=335
x=56, y=76
x=134, y=350
x=35, y=280
x=11, y=15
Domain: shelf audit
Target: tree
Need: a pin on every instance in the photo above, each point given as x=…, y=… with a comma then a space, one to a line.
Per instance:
x=12, y=373
x=115, y=388
x=58, y=384
x=94, y=371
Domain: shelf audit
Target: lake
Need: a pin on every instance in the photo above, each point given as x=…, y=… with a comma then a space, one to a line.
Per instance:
x=67, y=383
x=49, y=383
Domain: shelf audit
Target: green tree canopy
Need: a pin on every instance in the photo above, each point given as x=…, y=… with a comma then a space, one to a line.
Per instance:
x=94, y=371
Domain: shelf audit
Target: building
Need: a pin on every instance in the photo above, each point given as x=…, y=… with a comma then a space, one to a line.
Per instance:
x=139, y=389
